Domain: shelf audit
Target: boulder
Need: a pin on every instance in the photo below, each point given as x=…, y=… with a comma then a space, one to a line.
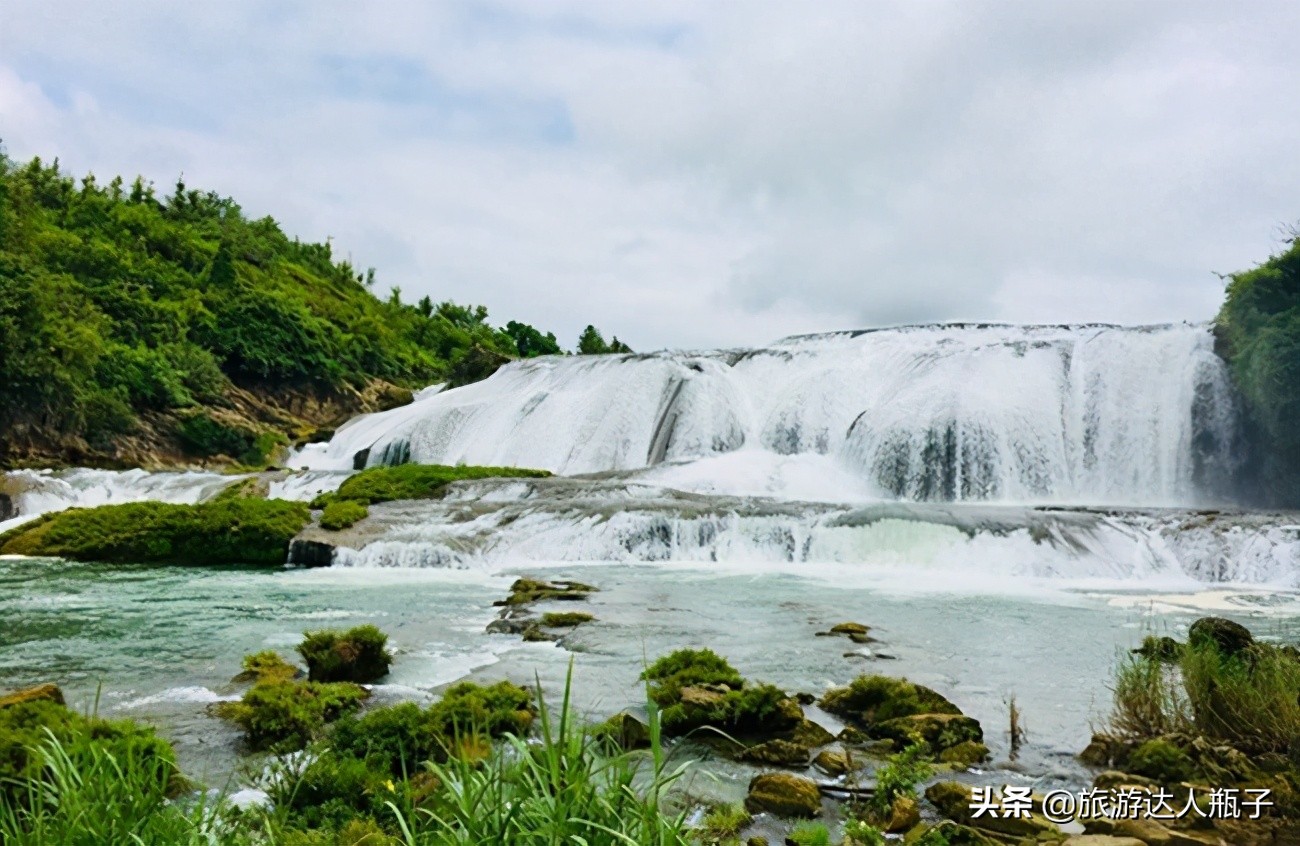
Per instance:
x=1102, y=840
x=310, y=553
x=832, y=761
x=1106, y=750
x=810, y=734
x=780, y=753
x=967, y=754
x=1230, y=638
x=7, y=510
x=628, y=732
x=872, y=699
x=783, y=795
x=39, y=693
x=954, y=835
x=1150, y=832
x=849, y=629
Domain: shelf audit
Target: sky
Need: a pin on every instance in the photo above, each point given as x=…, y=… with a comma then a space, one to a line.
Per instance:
x=703, y=174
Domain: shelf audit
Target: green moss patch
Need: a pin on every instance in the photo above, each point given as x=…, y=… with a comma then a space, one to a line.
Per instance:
x=872, y=699
x=528, y=591
x=698, y=688
x=342, y=514
x=284, y=715
x=419, y=481
x=565, y=619
x=231, y=531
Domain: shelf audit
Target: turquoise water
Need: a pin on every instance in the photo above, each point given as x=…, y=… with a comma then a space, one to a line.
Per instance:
x=161, y=644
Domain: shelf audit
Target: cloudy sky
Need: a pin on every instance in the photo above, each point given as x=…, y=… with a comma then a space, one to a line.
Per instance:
x=702, y=174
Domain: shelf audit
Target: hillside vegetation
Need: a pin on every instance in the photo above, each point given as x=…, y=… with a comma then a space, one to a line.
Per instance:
x=1258, y=331
x=141, y=329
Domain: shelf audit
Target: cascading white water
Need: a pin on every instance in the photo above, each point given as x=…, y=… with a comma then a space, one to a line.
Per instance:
x=32, y=493
x=1083, y=414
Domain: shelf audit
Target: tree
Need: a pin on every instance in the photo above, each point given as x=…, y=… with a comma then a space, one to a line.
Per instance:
x=531, y=342
x=591, y=342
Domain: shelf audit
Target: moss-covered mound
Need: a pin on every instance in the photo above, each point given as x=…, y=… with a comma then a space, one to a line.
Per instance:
x=905, y=713
x=342, y=514
x=286, y=715
x=698, y=688
x=415, y=481
x=359, y=654
x=231, y=531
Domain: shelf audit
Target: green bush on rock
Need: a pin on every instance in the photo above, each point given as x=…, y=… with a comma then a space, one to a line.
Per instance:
x=229, y=531
x=698, y=688
x=359, y=654
x=872, y=699
x=419, y=481
x=286, y=715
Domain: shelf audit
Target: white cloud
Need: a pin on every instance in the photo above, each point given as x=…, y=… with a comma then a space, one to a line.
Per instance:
x=705, y=174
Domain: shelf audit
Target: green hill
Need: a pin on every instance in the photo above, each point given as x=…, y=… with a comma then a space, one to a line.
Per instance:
x=143, y=330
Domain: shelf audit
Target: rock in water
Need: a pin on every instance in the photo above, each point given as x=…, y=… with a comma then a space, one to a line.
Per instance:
x=784, y=795
x=1230, y=638
x=7, y=511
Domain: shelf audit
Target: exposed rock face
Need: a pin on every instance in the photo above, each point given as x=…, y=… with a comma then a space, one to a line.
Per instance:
x=783, y=795
x=7, y=510
x=39, y=693
x=1229, y=637
x=310, y=553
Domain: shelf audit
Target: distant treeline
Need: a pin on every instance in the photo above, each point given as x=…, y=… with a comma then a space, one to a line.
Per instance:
x=1258, y=333
x=115, y=302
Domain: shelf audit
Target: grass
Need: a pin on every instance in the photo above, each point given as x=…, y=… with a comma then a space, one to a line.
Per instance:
x=1250, y=700
x=415, y=481
x=809, y=833
x=722, y=824
x=230, y=531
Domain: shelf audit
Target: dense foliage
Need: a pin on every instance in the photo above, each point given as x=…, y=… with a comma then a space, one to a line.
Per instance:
x=359, y=654
x=228, y=531
x=123, y=303
x=1258, y=330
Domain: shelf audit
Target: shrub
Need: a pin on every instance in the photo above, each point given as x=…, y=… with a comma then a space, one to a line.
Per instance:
x=754, y=709
x=230, y=531
x=493, y=710
x=396, y=739
x=359, y=654
x=266, y=666
x=342, y=514
x=418, y=481
x=284, y=716
x=898, y=779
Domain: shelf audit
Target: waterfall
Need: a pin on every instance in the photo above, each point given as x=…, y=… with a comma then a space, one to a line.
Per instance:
x=1028, y=414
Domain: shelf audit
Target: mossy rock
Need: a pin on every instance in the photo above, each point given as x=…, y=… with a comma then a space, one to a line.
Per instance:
x=952, y=833
x=1162, y=761
x=254, y=487
x=286, y=715
x=1164, y=649
x=528, y=591
x=783, y=795
x=810, y=734
x=359, y=654
x=40, y=693
x=626, y=732
x=232, y=531
x=966, y=754
x=904, y=814
x=833, y=762
x=565, y=619
x=938, y=731
x=266, y=667
x=953, y=800
x=777, y=752
x=1227, y=636
x=872, y=699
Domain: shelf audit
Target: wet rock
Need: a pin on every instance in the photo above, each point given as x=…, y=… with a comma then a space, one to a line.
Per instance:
x=360, y=459
x=810, y=734
x=1106, y=750
x=1114, y=779
x=954, y=800
x=954, y=835
x=861, y=638
x=832, y=761
x=1150, y=832
x=310, y=553
x=779, y=753
x=1102, y=840
x=805, y=698
x=39, y=693
x=534, y=634
x=514, y=624
x=849, y=629
x=1230, y=638
x=870, y=699
x=525, y=591
x=7, y=510
x=783, y=795
x=904, y=814
x=967, y=754
x=756, y=840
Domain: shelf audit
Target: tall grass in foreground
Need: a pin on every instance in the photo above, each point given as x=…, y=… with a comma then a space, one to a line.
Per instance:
x=571, y=787
x=90, y=796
